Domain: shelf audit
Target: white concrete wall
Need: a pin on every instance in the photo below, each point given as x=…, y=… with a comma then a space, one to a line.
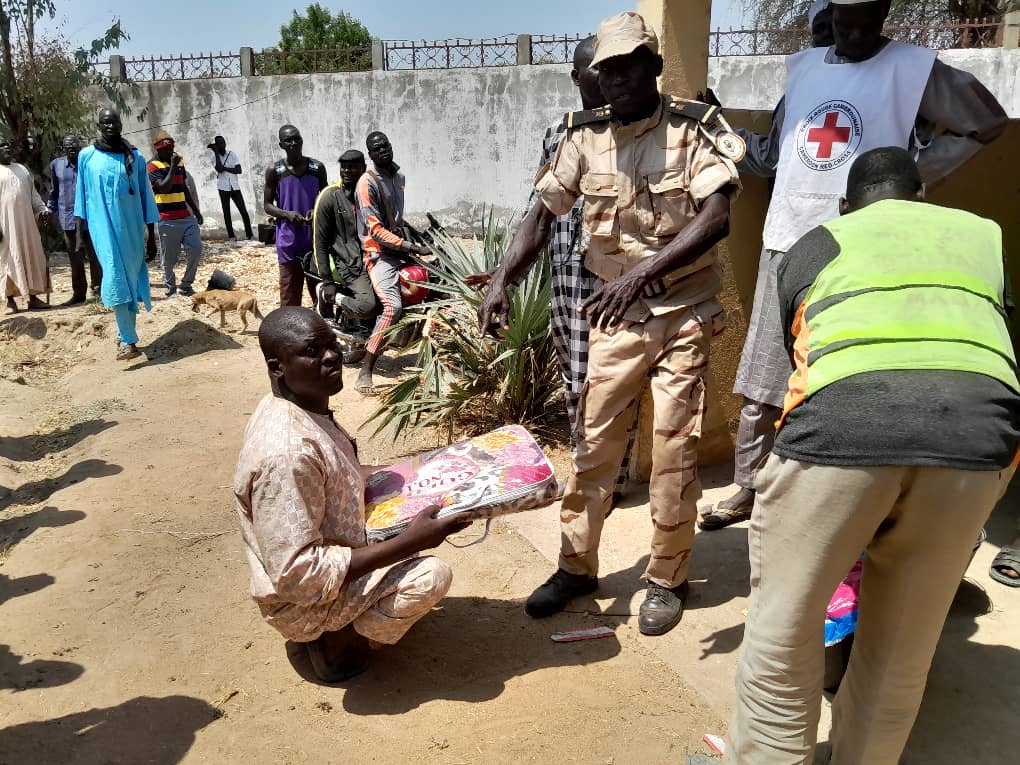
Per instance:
x=463, y=137
x=756, y=82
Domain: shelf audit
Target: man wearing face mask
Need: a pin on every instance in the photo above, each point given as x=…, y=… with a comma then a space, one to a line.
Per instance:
x=178, y=227
x=864, y=92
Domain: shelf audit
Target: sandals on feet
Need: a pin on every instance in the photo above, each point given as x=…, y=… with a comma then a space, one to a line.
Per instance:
x=128, y=352
x=713, y=518
x=1009, y=559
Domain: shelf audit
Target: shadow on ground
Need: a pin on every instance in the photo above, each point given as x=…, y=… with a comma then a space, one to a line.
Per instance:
x=14, y=530
x=972, y=701
x=464, y=651
x=190, y=337
x=719, y=572
x=20, y=326
x=158, y=731
x=38, y=445
x=20, y=675
x=39, y=491
x=23, y=585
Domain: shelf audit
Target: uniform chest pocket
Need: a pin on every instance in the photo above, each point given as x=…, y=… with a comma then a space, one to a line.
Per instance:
x=601, y=198
x=672, y=206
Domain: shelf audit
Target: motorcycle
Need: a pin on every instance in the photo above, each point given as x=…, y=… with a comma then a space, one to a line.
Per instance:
x=355, y=330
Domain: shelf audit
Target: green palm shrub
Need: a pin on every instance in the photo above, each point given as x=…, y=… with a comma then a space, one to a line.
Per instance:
x=461, y=383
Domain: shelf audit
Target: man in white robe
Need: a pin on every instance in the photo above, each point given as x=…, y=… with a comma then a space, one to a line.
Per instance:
x=23, y=268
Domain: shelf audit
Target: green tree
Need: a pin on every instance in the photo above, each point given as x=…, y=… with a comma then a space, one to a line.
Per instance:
x=320, y=29
x=318, y=41
x=47, y=89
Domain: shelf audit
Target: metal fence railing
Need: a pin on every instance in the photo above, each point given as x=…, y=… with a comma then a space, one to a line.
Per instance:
x=312, y=61
x=449, y=54
x=509, y=50
x=970, y=33
x=554, y=49
x=196, y=67
x=100, y=68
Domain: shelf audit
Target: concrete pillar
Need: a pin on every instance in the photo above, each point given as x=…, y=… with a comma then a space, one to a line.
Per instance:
x=523, y=50
x=118, y=69
x=1011, y=30
x=683, y=28
x=378, y=56
x=247, y=62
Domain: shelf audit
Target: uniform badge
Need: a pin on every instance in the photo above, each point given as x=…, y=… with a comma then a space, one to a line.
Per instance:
x=726, y=142
x=731, y=145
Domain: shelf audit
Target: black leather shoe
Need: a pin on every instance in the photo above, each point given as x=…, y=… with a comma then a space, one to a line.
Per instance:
x=339, y=656
x=553, y=596
x=75, y=300
x=662, y=609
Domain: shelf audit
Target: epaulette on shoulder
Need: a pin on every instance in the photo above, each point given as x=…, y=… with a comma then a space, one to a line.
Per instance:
x=693, y=110
x=588, y=117
x=281, y=168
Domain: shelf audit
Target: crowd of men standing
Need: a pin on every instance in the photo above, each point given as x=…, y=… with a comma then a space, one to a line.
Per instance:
x=119, y=212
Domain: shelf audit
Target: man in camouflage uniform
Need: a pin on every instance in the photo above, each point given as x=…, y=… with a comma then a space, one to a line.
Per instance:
x=657, y=178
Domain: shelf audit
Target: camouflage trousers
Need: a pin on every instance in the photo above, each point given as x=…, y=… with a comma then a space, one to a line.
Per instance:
x=671, y=351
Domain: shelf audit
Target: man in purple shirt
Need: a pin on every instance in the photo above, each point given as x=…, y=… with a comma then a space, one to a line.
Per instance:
x=292, y=185
x=64, y=171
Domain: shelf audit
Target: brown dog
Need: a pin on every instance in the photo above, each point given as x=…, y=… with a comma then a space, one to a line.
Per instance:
x=227, y=300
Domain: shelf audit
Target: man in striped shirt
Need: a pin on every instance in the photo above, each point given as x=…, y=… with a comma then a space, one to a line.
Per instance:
x=380, y=202
x=178, y=228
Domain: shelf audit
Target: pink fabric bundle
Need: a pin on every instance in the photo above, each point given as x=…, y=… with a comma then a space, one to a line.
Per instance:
x=504, y=471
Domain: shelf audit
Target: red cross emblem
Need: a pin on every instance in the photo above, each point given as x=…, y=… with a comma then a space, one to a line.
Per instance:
x=829, y=134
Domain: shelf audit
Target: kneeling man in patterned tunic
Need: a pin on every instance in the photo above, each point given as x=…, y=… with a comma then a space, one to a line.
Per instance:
x=301, y=502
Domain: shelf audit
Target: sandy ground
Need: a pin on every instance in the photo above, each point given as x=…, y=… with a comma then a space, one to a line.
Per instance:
x=128, y=636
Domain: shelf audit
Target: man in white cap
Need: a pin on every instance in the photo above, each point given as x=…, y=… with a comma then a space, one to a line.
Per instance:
x=657, y=177
x=864, y=92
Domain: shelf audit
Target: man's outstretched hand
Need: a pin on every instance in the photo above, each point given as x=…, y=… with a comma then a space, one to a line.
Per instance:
x=494, y=312
x=426, y=531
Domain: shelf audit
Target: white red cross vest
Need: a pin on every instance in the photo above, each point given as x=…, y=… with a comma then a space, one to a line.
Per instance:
x=835, y=113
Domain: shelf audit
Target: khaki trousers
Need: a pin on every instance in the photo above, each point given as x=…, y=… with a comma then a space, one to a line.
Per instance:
x=810, y=522
x=382, y=605
x=673, y=351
